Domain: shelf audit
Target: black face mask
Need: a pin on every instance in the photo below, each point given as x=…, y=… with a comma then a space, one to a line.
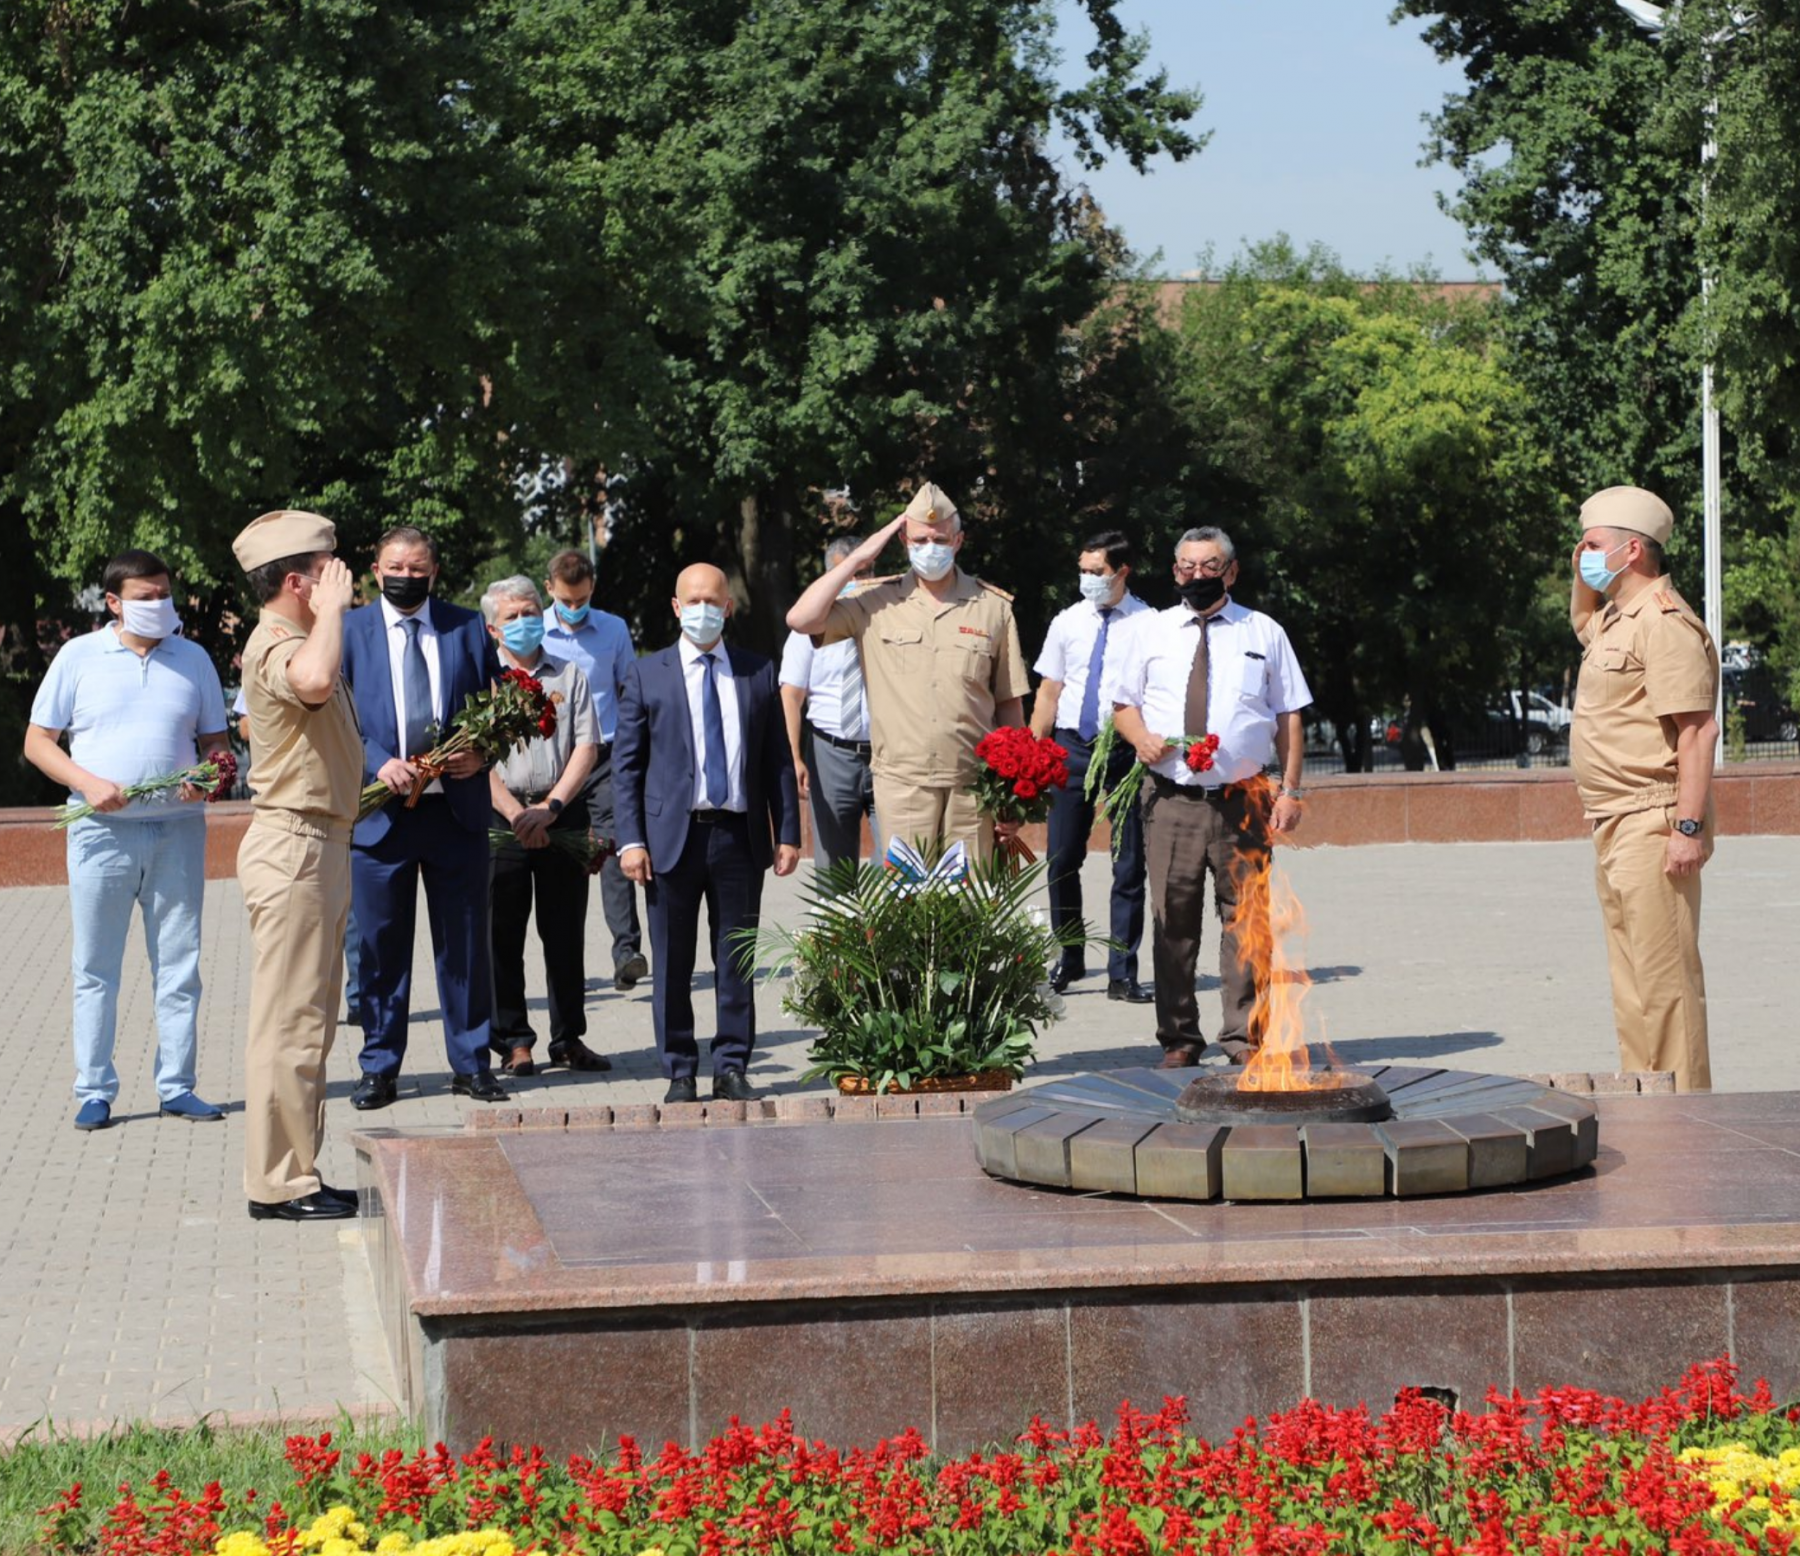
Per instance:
x=1201, y=593
x=404, y=591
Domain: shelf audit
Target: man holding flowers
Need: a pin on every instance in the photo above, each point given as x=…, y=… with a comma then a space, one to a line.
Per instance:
x=1083, y=641
x=539, y=795
x=1205, y=693
x=141, y=705
x=294, y=862
x=412, y=663
x=941, y=659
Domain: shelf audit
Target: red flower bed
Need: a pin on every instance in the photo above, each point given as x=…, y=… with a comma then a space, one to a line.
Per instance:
x=1569, y=1473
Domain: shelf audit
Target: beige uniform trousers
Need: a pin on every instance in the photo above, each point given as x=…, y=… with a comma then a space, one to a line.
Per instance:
x=1653, y=947
x=912, y=812
x=295, y=876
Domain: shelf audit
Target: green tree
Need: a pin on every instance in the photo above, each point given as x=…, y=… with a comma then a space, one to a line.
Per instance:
x=859, y=265
x=1378, y=461
x=1579, y=140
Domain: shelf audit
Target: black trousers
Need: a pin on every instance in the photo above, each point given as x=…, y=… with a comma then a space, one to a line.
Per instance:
x=560, y=886
x=715, y=870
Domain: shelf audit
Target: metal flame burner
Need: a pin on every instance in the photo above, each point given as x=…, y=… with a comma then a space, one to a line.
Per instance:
x=1333, y=1097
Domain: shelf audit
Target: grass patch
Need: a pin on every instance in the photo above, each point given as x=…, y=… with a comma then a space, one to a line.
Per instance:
x=45, y=1462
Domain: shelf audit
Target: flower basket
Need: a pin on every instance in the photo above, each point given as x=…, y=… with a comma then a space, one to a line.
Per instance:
x=912, y=976
x=982, y=1080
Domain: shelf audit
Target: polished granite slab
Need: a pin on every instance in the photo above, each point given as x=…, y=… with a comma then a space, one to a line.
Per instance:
x=659, y=1280
x=576, y=1219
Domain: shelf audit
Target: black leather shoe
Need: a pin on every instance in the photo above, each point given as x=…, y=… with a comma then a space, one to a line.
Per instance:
x=629, y=971
x=682, y=1090
x=1183, y=1056
x=479, y=1087
x=576, y=1055
x=374, y=1091
x=1129, y=990
x=1064, y=975
x=733, y=1086
x=308, y=1207
x=346, y=1196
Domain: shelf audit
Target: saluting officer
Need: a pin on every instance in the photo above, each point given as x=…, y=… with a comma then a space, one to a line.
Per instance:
x=941, y=659
x=1642, y=747
x=294, y=863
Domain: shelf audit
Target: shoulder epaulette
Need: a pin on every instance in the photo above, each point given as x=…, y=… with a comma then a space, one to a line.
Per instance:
x=994, y=589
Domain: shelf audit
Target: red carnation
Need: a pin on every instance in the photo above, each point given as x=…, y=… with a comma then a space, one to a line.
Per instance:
x=227, y=767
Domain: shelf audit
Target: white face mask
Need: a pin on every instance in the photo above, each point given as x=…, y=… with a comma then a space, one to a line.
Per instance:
x=701, y=624
x=149, y=618
x=1096, y=587
x=931, y=559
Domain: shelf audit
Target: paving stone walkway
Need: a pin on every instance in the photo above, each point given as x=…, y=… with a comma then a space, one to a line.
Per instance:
x=137, y=1288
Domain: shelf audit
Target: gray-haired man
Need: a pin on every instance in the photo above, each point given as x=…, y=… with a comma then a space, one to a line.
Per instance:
x=537, y=790
x=827, y=710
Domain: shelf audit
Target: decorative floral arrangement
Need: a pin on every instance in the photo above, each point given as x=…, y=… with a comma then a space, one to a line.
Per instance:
x=1197, y=751
x=913, y=972
x=215, y=777
x=1697, y=1470
x=514, y=711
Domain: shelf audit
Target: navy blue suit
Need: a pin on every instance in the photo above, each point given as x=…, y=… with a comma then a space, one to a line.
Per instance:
x=700, y=856
x=442, y=839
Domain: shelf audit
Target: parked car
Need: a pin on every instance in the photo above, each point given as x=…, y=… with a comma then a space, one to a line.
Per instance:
x=1755, y=695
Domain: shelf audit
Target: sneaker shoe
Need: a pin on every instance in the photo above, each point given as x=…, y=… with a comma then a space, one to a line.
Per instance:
x=190, y=1107
x=93, y=1114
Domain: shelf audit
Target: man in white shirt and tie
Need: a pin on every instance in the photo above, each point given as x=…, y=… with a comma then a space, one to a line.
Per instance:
x=1082, y=643
x=827, y=709
x=1210, y=666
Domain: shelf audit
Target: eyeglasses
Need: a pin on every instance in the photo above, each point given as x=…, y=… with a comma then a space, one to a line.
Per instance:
x=1213, y=567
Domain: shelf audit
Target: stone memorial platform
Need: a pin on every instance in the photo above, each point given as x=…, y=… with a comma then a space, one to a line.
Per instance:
x=656, y=1275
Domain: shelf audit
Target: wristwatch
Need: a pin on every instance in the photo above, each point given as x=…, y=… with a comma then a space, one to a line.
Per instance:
x=1292, y=794
x=1689, y=828
x=553, y=805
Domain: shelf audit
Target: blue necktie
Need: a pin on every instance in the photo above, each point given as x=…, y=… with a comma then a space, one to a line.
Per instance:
x=1090, y=697
x=712, y=725
x=415, y=683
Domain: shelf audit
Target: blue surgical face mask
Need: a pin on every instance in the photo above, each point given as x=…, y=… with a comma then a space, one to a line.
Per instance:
x=1594, y=571
x=702, y=623
x=573, y=615
x=523, y=634
x=931, y=559
x=1097, y=586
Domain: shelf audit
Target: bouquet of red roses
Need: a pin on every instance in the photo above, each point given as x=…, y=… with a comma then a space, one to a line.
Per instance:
x=491, y=723
x=214, y=777
x=1018, y=772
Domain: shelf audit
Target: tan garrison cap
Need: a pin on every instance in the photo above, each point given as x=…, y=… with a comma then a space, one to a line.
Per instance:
x=283, y=533
x=930, y=503
x=1629, y=507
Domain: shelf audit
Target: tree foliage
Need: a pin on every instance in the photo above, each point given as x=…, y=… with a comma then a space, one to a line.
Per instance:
x=1377, y=461
x=1579, y=141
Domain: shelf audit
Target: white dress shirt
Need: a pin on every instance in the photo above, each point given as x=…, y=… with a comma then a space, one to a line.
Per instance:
x=1252, y=678
x=396, y=647
x=1069, y=648
x=826, y=674
x=693, y=673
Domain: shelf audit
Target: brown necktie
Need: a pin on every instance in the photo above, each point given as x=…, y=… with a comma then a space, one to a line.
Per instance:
x=1196, y=688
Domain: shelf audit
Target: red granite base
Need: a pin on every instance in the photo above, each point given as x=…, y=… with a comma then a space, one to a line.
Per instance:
x=563, y=1287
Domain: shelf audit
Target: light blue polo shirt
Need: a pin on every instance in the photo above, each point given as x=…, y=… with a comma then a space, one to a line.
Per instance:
x=132, y=718
x=601, y=648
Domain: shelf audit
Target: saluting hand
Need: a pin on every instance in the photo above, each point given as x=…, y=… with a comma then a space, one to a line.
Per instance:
x=336, y=588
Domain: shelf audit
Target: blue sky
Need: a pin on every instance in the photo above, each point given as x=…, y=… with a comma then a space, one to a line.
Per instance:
x=1316, y=111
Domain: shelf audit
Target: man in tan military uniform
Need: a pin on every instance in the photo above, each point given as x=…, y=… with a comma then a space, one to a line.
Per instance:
x=1642, y=746
x=294, y=863
x=941, y=660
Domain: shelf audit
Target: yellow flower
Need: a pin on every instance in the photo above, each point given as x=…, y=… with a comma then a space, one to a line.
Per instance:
x=244, y=1542
x=395, y=1544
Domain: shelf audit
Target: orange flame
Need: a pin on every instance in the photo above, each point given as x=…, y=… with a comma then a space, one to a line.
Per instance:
x=1267, y=916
